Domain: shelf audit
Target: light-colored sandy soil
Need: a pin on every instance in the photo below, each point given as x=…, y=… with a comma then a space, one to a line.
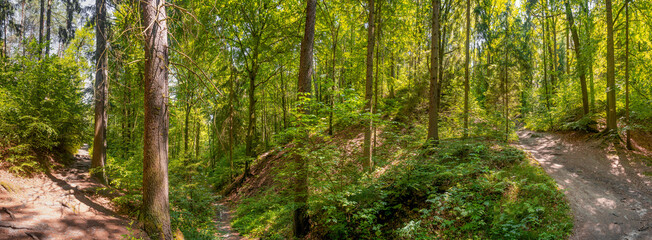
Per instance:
x=57, y=205
x=610, y=196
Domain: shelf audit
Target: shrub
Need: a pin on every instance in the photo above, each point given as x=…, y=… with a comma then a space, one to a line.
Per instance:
x=43, y=119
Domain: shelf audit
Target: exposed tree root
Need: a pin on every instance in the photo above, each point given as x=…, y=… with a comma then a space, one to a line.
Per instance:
x=9, y=212
x=9, y=225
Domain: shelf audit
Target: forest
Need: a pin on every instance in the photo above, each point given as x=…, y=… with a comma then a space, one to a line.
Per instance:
x=326, y=119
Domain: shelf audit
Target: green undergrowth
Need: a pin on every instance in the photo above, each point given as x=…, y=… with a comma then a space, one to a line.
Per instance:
x=474, y=189
x=192, y=208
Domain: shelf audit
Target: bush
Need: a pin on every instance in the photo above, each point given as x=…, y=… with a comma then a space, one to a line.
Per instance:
x=44, y=119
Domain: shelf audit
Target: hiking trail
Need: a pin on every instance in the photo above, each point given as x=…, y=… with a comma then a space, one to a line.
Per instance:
x=610, y=196
x=62, y=204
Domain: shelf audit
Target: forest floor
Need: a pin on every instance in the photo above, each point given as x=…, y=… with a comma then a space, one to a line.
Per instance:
x=61, y=204
x=609, y=188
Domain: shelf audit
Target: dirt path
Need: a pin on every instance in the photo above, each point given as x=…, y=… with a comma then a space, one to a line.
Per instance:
x=609, y=195
x=57, y=205
x=224, y=224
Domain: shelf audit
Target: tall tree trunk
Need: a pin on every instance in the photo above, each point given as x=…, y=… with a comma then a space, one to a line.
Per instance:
x=553, y=54
x=611, y=70
x=466, y=69
x=545, y=63
x=124, y=120
x=591, y=89
x=264, y=120
x=40, y=26
x=332, y=95
x=301, y=221
x=251, y=118
x=567, y=70
x=392, y=76
x=377, y=44
x=628, y=132
x=367, y=147
x=47, y=23
x=506, y=97
x=22, y=23
x=4, y=38
x=283, y=100
x=155, y=214
x=231, y=123
x=580, y=59
x=433, y=107
x=374, y=106
x=186, y=126
x=101, y=93
x=69, y=32
x=197, y=136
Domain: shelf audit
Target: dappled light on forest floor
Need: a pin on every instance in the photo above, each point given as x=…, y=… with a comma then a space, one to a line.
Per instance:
x=59, y=205
x=608, y=195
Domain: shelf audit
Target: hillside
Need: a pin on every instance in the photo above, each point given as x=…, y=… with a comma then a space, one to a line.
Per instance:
x=459, y=189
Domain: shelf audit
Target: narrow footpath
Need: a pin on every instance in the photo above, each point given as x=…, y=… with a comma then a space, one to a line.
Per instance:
x=224, y=224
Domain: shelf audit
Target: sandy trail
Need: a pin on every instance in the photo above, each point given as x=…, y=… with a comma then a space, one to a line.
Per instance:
x=57, y=205
x=609, y=195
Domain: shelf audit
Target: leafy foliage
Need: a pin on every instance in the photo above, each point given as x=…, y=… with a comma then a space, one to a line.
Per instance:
x=43, y=119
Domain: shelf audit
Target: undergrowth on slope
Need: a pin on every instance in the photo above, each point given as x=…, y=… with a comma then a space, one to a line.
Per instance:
x=473, y=189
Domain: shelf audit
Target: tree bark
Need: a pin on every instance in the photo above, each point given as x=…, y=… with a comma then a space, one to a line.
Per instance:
x=70, y=31
x=433, y=107
x=628, y=132
x=553, y=55
x=367, y=148
x=283, y=100
x=374, y=103
x=40, y=26
x=545, y=62
x=4, y=39
x=155, y=214
x=231, y=119
x=101, y=93
x=466, y=69
x=251, y=118
x=186, y=127
x=301, y=220
x=611, y=69
x=47, y=23
x=334, y=35
x=506, y=92
x=197, y=138
x=251, y=121
x=580, y=59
